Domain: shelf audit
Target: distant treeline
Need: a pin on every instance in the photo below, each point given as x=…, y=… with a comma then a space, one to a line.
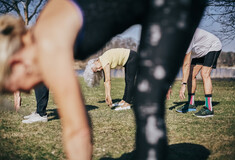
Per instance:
x=116, y=42
x=226, y=59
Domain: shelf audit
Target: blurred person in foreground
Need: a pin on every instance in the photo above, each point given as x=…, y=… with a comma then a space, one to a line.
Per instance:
x=75, y=29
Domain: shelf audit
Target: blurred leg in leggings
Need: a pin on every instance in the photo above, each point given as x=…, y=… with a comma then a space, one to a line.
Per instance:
x=167, y=29
x=164, y=41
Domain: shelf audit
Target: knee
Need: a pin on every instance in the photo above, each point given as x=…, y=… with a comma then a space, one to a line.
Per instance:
x=205, y=74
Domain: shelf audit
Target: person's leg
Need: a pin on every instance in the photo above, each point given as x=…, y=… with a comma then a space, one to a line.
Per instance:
x=205, y=74
x=209, y=63
x=206, y=71
x=109, y=18
x=42, y=95
x=168, y=27
x=17, y=100
x=165, y=38
x=192, y=83
x=206, y=111
x=130, y=74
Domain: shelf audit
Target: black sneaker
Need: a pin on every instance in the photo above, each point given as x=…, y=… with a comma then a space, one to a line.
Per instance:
x=204, y=112
x=186, y=108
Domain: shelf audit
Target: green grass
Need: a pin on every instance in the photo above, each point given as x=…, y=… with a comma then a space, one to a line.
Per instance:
x=189, y=137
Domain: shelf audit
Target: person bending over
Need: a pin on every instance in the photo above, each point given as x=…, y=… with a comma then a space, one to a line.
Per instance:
x=201, y=55
x=110, y=60
x=45, y=54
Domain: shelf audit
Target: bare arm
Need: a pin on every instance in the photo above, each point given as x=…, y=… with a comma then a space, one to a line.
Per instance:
x=55, y=33
x=169, y=93
x=185, y=70
x=107, y=85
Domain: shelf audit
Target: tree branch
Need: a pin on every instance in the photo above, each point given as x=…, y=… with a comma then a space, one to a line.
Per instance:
x=35, y=10
x=8, y=4
x=16, y=8
x=223, y=12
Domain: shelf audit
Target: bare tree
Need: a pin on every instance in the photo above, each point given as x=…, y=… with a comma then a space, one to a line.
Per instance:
x=223, y=12
x=27, y=9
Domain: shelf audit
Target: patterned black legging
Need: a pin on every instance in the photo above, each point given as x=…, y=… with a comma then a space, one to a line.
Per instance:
x=167, y=29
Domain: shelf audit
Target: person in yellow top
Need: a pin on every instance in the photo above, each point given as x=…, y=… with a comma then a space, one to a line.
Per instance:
x=110, y=60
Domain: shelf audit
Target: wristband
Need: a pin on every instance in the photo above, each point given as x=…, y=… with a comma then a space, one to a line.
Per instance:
x=183, y=83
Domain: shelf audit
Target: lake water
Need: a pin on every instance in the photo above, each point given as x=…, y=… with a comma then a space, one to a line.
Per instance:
x=216, y=73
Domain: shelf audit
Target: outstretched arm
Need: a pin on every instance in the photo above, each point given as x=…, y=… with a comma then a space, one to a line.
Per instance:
x=107, y=85
x=54, y=35
x=185, y=70
x=169, y=93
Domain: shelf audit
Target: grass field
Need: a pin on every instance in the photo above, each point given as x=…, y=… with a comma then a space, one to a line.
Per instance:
x=189, y=137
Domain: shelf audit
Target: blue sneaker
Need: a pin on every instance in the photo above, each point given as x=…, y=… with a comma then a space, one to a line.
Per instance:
x=186, y=108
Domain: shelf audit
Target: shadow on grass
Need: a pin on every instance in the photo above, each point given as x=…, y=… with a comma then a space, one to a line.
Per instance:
x=90, y=107
x=53, y=113
x=180, y=151
x=187, y=151
x=114, y=101
x=198, y=103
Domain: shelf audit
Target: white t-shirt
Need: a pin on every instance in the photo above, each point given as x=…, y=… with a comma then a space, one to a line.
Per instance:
x=202, y=43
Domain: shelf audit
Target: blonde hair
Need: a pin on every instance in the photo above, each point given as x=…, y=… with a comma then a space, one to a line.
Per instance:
x=91, y=78
x=11, y=31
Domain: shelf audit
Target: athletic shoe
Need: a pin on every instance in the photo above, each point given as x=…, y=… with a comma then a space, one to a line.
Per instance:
x=31, y=115
x=122, y=108
x=117, y=104
x=204, y=112
x=186, y=108
x=36, y=118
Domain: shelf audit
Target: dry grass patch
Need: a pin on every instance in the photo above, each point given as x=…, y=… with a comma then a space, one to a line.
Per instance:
x=189, y=137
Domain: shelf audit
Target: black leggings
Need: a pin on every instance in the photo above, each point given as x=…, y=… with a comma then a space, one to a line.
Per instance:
x=167, y=29
x=131, y=68
x=42, y=95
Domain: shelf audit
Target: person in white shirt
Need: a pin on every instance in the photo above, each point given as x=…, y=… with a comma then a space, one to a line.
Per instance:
x=201, y=55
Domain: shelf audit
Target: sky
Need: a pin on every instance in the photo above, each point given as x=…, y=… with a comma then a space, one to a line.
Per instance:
x=207, y=25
